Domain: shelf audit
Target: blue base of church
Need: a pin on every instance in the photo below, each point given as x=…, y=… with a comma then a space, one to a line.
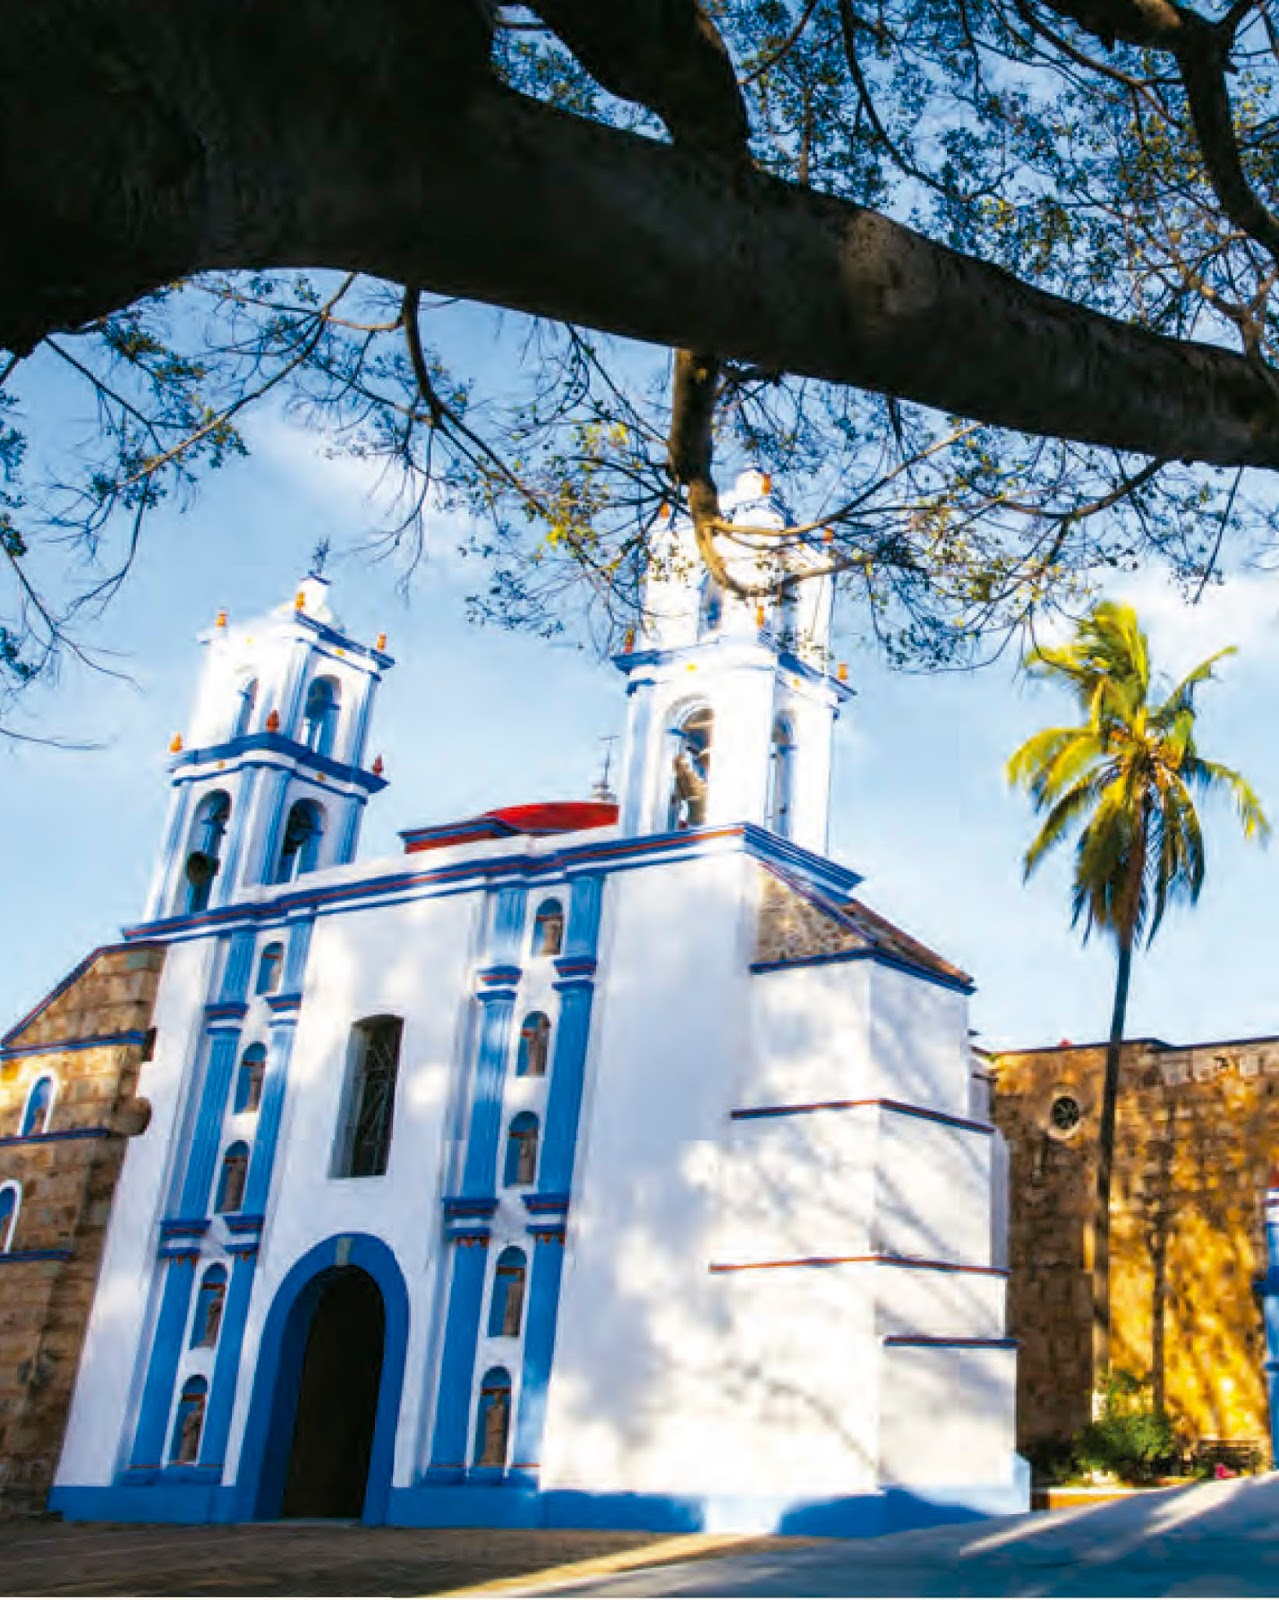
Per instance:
x=475, y=1506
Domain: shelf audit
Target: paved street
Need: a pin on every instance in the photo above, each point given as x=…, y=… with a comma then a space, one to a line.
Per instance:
x=1215, y=1538
x=295, y=1558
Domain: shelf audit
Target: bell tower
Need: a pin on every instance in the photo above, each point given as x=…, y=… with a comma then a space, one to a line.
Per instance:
x=270, y=780
x=732, y=700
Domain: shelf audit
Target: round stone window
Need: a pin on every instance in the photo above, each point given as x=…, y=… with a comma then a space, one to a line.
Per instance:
x=1064, y=1115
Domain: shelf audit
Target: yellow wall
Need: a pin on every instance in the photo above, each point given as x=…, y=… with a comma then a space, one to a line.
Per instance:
x=1197, y=1135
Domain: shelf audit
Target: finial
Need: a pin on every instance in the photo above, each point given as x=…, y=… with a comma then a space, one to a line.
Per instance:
x=221, y=620
x=602, y=789
x=273, y=721
x=378, y=767
x=300, y=603
x=664, y=510
x=381, y=642
x=759, y=615
x=828, y=535
x=175, y=744
x=841, y=672
x=628, y=642
x=766, y=481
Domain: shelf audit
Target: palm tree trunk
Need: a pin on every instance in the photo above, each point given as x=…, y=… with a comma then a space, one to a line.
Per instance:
x=1105, y=1168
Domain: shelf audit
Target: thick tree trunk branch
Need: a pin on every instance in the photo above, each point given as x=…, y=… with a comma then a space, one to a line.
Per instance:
x=169, y=148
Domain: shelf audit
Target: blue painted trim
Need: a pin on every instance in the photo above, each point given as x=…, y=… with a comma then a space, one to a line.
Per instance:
x=762, y=646
x=225, y=884
x=174, y=1227
x=57, y=1136
x=564, y=1097
x=459, y=1206
x=295, y=959
x=226, y=1365
x=206, y=1138
x=349, y=837
x=897, y=1107
x=450, y=1453
x=263, y=871
x=926, y=1341
x=617, y=855
x=497, y=1007
x=237, y=969
x=498, y=977
x=59, y=1047
x=12, y=1258
x=539, y=1204
x=855, y=1516
x=1268, y=1288
x=169, y=1500
x=280, y=745
x=880, y=957
x=284, y=1005
x=268, y=1433
x=150, y=1440
x=225, y=1011
x=539, y=1354
x=257, y=1190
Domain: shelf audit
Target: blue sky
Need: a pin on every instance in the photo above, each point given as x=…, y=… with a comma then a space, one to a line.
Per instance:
x=471, y=718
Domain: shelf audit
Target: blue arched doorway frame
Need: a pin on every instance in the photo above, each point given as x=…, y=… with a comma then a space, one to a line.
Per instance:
x=268, y=1434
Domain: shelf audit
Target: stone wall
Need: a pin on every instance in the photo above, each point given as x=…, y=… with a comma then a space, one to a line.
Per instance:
x=1197, y=1135
x=67, y=1176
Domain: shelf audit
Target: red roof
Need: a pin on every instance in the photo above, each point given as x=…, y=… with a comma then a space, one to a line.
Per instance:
x=541, y=817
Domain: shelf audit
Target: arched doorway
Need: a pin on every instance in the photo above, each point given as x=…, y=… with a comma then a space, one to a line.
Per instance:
x=266, y=1450
x=335, y=1412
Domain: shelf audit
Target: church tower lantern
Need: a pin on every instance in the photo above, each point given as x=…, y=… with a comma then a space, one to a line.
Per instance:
x=732, y=700
x=270, y=781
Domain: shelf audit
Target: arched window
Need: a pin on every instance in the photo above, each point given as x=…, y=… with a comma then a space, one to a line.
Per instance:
x=188, y=1425
x=364, y=1144
x=781, y=772
x=10, y=1201
x=235, y=1172
x=548, y=929
x=535, y=1042
x=710, y=611
x=38, y=1109
x=690, y=768
x=300, y=849
x=270, y=968
x=320, y=718
x=506, y=1309
x=207, y=1322
x=207, y=832
x=248, y=1081
x=521, y=1151
x=246, y=700
x=493, y=1418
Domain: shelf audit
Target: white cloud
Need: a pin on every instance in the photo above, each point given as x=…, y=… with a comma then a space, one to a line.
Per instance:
x=1243, y=611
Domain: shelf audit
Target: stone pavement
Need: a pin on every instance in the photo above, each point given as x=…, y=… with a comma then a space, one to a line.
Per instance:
x=45, y=1556
x=1211, y=1539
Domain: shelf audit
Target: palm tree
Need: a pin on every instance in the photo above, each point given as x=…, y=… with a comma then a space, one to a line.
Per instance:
x=1124, y=781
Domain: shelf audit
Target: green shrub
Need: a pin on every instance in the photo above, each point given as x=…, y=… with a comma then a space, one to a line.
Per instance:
x=1129, y=1437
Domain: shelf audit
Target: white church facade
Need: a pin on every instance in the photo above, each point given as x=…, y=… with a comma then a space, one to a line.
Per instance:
x=590, y=1164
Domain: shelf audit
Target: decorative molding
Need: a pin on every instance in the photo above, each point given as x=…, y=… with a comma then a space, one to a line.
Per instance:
x=276, y=744
x=928, y=1341
x=497, y=872
x=56, y=1136
x=914, y=1263
x=134, y=1036
x=899, y=1107
x=12, y=1258
x=880, y=957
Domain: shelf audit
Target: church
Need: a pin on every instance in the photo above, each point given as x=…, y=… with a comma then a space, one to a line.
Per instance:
x=597, y=1163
